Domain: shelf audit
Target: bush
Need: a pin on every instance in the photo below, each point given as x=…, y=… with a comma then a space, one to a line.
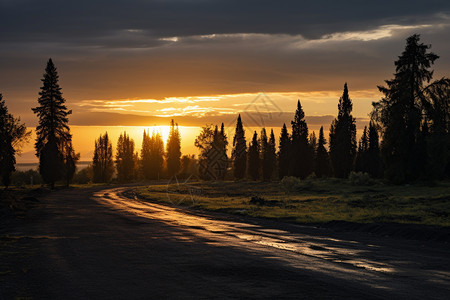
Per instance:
x=290, y=183
x=83, y=176
x=21, y=178
x=360, y=178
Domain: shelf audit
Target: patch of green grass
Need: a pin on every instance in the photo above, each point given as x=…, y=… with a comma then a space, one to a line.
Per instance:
x=313, y=201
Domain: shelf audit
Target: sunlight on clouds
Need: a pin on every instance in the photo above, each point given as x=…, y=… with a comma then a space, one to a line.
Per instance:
x=384, y=31
x=196, y=111
x=314, y=103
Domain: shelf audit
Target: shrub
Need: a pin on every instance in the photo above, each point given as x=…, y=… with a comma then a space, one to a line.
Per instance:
x=83, y=176
x=21, y=178
x=359, y=178
x=290, y=183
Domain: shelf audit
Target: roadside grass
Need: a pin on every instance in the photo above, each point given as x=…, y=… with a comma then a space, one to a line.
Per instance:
x=313, y=200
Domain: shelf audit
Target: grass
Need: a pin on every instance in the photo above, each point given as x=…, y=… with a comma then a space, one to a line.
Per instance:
x=313, y=200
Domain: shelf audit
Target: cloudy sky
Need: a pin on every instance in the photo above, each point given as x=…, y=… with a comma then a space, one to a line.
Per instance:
x=203, y=60
x=209, y=57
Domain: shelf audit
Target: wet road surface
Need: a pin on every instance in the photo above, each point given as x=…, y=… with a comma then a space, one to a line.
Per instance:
x=104, y=244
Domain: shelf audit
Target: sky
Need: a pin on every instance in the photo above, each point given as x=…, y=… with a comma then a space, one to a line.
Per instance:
x=140, y=63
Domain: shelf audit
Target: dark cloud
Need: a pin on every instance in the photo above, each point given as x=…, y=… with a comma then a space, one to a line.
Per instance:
x=65, y=21
x=156, y=49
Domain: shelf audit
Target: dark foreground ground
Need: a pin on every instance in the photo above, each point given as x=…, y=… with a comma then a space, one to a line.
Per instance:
x=103, y=244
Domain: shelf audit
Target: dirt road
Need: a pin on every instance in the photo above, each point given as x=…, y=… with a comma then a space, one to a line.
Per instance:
x=102, y=244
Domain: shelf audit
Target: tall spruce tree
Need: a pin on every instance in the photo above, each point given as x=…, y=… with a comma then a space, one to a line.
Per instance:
x=254, y=162
x=438, y=143
x=400, y=112
x=12, y=133
x=204, y=142
x=284, y=148
x=125, y=158
x=264, y=154
x=221, y=143
x=156, y=156
x=322, y=160
x=361, y=160
x=173, y=151
x=374, y=165
x=343, y=138
x=239, y=154
x=301, y=156
x=146, y=161
x=70, y=162
x=268, y=154
x=102, y=162
x=53, y=136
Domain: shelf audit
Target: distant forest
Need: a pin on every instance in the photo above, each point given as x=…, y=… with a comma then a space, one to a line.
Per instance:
x=408, y=139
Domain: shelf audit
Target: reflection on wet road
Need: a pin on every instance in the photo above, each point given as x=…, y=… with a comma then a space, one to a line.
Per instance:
x=388, y=266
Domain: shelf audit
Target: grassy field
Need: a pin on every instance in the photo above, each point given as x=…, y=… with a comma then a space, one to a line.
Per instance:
x=312, y=201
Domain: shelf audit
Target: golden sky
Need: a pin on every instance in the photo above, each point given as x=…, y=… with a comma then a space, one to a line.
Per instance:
x=141, y=63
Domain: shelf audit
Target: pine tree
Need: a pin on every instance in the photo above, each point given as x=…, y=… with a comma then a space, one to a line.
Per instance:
x=284, y=153
x=400, y=112
x=156, y=156
x=173, y=152
x=102, y=162
x=12, y=133
x=52, y=133
x=70, y=162
x=438, y=143
x=343, y=138
x=239, y=154
x=254, y=163
x=301, y=155
x=125, y=158
x=374, y=166
x=312, y=143
x=221, y=143
x=146, y=161
x=322, y=160
x=361, y=160
x=204, y=142
x=264, y=154
x=268, y=154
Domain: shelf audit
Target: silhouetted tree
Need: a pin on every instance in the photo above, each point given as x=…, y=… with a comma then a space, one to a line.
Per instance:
x=12, y=133
x=219, y=157
x=204, y=143
x=400, y=112
x=322, y=161
x=312, y=143
x=125, y=158
x=52, y=133
x=284, y=153
x=145, y=155
x=156, y=156
x=268, y=155
x=437, y=108
x=173, y=150
x=361, y=161
x=254, y=163
x=302, y=159
x=70, y=160
x=239, y=154
x=343, y=138
x=374, y=165
x=188, y=166
x=102, y=162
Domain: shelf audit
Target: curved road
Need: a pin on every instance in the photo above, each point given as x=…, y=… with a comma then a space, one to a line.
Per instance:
x=104, y=244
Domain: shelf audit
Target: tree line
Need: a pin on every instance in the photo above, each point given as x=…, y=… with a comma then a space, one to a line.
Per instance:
x=153, y=162
x=407, y=138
